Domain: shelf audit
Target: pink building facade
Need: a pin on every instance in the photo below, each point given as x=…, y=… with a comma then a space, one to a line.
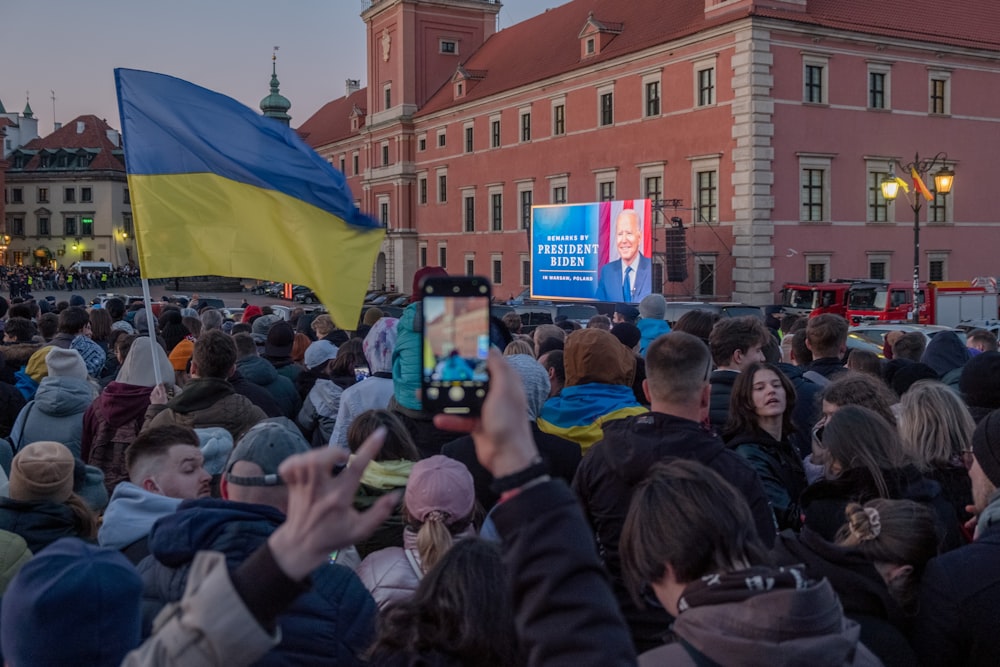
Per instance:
x=772, y=124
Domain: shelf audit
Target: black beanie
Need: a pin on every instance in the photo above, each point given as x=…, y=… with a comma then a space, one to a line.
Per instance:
x=986, y=446
x=980, y=381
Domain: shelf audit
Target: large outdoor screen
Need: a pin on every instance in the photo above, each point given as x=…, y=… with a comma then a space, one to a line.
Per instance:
x=599, y=251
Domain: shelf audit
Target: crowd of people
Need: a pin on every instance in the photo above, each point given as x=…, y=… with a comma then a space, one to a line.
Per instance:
x=191, y=490
x=21, y=281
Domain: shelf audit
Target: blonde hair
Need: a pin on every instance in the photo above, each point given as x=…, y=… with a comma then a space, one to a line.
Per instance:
x=518, y=347
x=433, y=540
x=322, y=325
x=935, y=425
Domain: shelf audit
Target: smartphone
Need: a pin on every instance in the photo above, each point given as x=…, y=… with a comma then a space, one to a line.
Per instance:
x=456, y=341
x=360, y=373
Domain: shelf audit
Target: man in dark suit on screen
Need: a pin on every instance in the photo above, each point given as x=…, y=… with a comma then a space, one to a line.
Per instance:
x=629, y=278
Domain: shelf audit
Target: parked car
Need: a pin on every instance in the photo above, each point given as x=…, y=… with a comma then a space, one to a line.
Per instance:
x=875, y=332
x=724, y=308
x=307, y=296
x=577, y=312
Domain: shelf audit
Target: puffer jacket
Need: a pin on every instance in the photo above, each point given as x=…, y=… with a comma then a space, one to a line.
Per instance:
x=722, y=382
x=56, y=413
x=333, y=623
x=650, y=329
x=406, y=357
x=262, y=373
x=40, y=522
x=207, y=402
x=318, y=415
x=110, y=425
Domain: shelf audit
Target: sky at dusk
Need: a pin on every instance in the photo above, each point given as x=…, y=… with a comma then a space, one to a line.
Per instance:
x=72, y=48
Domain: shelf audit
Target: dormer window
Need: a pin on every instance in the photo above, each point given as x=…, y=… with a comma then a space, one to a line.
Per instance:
x=595, y=35
x=591, y=47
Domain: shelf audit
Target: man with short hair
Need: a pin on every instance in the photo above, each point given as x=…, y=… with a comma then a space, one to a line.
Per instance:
x=959, y=606
x=513, y=323
x=165, y=466
x=18, y=330
x=981, y=340
x=735, y=342
x=909, y=347
x=627, y=279
x=334, y=623
x=74, y=333
x=263, y=374
x=548, y=337
x=826, y=338
x=211, y=318
x=208, y=399
x=553, y=364
x=677, y=386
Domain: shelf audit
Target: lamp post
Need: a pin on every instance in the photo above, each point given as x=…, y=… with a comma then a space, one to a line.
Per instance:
x=944, y=178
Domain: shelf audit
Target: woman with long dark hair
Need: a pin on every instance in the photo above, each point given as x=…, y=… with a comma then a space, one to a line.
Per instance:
x=759, y=427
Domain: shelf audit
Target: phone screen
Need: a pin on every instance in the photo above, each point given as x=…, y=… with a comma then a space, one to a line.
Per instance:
x=456, y=326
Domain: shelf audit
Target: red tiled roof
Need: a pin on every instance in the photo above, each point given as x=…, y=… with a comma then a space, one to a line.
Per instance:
x=548, y=45
x=333, y=121
x=94, y=136
x=970, y=24
x=4, y=122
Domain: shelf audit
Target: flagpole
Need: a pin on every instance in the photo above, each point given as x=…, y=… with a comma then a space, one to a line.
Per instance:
x=148, y=303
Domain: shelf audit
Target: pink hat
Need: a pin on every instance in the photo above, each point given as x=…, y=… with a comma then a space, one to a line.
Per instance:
x=440, y=484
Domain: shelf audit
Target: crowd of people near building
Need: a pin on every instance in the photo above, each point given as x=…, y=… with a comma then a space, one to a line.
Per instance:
x=192, y=490
x=21, y=281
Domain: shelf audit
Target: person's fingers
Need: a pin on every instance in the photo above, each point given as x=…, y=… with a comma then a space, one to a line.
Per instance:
x=296, y=469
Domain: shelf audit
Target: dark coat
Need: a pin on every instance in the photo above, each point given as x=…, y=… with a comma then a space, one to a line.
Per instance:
x=959, y=615
x=255, y=394
x=615, y=466
x=780, y=471
x=828, y=367
x=807, y=407
x=332, y=624
x=824, y=502
x=562, y=456
x=722, y=389
x=40, y=522
x=861, y=590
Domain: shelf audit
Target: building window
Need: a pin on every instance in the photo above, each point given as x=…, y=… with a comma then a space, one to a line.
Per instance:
x=387, y=96
x=878, y=86
x=937, y=270
x=497, y=271
x=940, y=103
x=814, y=77
x=812, y=195
x=69, y=195
x=86, y=226
x=652, y=187
x=496, y=206
x=422, y=144
x=441, y=139
x=423, y=255
x=126, y=197
x=937, y=208
x=652, y=98
x=526, y=200
x=525, y=271
x=443, y=256
x=16, y=196
x=706, y=86
x=876, y=270
x=383, y=213
x=878, y=207
x=354, y=164
x=606, y=191
x=525, y=126
x=385, y=154
x=470, y=266
x=69, y=226
x=705, y=275
x=43, y=195
x=495, y=133
x=442, y=188
x=43, y=226
x=559, y=120
x=816, y=272
x=559, y=194
x=422, y=186
x=16, y=226
x=127, y=223
x=708, y=195
x=470, y=212
x=591, y=46
x=449, y=46
x=468, y=139
x=607, y=108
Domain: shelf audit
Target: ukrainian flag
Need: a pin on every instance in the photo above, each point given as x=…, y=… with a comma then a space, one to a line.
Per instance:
x=218, y=189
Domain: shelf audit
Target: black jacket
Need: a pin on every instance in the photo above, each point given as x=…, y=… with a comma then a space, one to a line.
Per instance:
x=824, y=502
x=561, y=455
x=39, y=522
x=807, y=407
x=828, y=367
x=565, y=611
x=959, y=615
x=722, y=388
x=615, y=465
x=780, y=471
x=861, y=590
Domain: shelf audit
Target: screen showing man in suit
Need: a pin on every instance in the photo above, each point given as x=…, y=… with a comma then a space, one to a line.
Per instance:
x=629, y=278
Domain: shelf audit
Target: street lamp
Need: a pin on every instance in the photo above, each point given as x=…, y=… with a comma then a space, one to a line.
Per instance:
x=944, y=178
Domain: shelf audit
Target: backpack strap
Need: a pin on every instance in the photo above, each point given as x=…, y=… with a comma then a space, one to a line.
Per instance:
x=816, y=378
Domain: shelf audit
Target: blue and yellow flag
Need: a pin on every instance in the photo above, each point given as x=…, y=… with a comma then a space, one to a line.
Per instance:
x=218, y=189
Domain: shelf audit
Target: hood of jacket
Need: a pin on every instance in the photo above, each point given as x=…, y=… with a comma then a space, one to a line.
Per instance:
x=131, y=514
x=782, y=626
x=632, y=445
x=61, y=396
x=258, y=370
x=325, y=397
x=945, y=352
x=122, y=403
x=651, y=329
x=200, y=524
